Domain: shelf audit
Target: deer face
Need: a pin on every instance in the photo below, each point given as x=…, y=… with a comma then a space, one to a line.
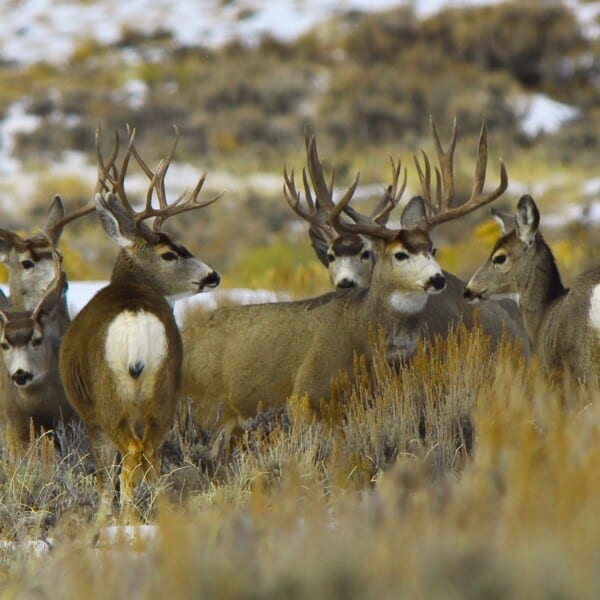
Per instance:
x=410, y=255
x=507, y=268
x=350, y=261
x=31, y=269
x=26, y=351
x=171, y=269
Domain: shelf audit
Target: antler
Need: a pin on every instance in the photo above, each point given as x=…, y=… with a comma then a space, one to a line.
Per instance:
x=87, y=208
x=439, y=208
x=325, y=214
x=115, y=176
x=317, y=211
x=56, y=286
x=389, y=200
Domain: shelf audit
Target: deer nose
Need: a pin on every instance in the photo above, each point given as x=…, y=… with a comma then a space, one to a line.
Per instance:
x=346, y=283
x=21, y=377
x=211, y=280
x=438, y=282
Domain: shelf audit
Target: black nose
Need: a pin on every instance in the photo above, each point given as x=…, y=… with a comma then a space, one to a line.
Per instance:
x=211, y=280
x=438, y=282
x=346, y=283
x=21, y=377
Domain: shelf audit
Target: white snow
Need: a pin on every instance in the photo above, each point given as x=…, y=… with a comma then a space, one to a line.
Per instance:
x=49, y=30
x=541, y=114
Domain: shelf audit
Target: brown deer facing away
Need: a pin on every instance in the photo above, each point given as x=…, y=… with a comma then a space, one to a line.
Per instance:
x=350, y=257
x=563, y=324
x=30, y=349
x=237, y=357
x=121, y=357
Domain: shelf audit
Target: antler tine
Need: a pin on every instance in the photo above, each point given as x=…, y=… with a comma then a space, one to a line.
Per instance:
x=110, y=172
x=87, y=208
x=391, y=195
x=293, y=199
x=56, y=283
x=477, y=197
x=323, y=193
x=446, y=160
x=363, y=225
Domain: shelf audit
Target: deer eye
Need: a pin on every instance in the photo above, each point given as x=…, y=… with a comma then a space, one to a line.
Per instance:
x=169, y=256
x=27, y=264
x=5, y=346
x=499, y=259
x=330, y=257
x=36, y=341
x=366, y=255
x=400, y=255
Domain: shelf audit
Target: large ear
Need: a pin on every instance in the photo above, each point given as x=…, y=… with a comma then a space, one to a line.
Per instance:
x=114, y=220
x=56, y=212
x=528, y=220
x=506, y=221
x=414, y=214
x=320, y=243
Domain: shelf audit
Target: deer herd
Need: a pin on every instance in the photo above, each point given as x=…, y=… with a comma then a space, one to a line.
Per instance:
x=123, y=365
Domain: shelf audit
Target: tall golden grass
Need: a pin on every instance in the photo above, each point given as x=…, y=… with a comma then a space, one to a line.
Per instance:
x=462, y=474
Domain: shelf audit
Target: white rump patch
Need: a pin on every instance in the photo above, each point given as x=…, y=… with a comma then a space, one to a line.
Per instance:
x=595, y=308
x=407, y=302
x=135, y=341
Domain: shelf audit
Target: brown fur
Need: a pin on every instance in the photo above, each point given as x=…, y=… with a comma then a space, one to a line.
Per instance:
x=238, y=357
x=556, y=318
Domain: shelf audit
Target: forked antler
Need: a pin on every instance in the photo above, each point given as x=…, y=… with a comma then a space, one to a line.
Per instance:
x=112, y=177
x=324, y=213
x=439, y=206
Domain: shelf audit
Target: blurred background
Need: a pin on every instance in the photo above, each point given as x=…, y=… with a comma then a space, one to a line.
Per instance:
x=243, y=79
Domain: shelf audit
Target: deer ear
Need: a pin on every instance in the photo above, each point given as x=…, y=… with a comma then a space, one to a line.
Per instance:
x=528, y=220
x=414, y=214
x=114, y=220
x=56, y=212
x=506, y=221
x=320, y=243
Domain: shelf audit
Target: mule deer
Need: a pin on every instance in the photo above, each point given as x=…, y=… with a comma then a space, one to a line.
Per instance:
x=30, y=349
x=121, y=357
x=563, y=324
x=350, y=257
x=34, y=264
x=238, y=357
x=30, y=261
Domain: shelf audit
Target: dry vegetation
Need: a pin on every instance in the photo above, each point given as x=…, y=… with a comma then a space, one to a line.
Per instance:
x=462, y=475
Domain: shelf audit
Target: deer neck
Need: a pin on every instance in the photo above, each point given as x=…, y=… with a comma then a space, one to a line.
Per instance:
x=127, y=271
x=399, y=312
x=540, y=286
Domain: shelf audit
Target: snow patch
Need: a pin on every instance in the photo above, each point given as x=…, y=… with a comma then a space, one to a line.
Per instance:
x=541, y=114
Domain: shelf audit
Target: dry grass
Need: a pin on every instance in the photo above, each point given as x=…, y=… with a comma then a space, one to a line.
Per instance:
x=461, y=475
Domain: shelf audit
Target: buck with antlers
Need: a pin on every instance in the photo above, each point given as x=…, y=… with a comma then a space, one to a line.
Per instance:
x=563, y=324
x=30, y=348
x=350, y=257
x=121, y=357
x=35, y=319
x=238, y=357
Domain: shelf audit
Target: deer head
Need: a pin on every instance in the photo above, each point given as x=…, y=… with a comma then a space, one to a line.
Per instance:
x=149, y=255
